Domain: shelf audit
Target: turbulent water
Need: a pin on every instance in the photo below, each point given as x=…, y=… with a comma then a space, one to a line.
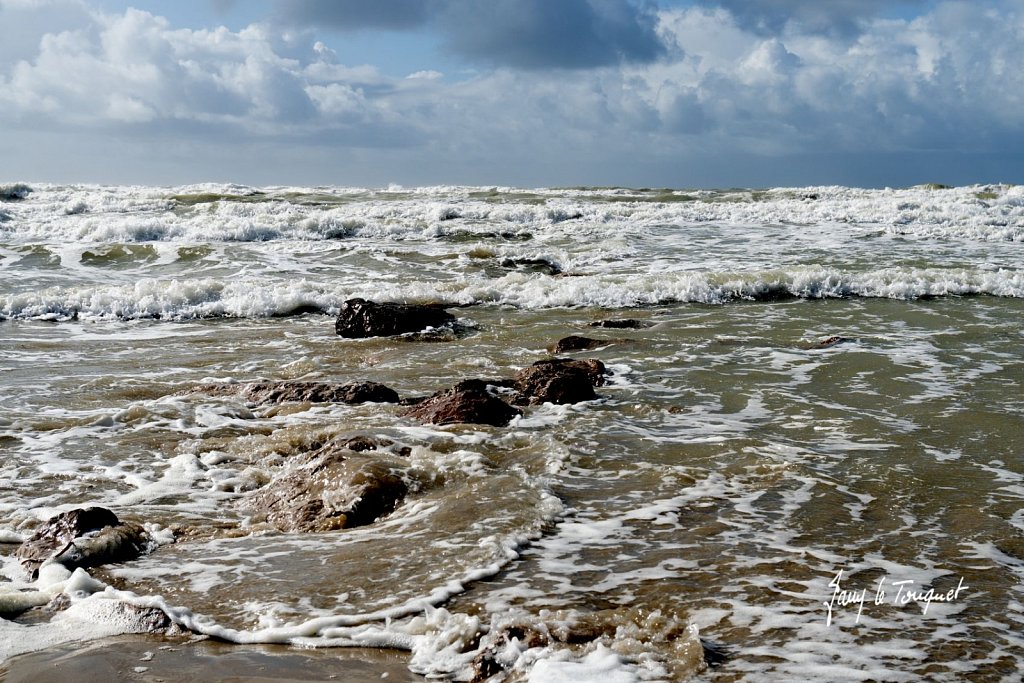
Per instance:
x=814, y=428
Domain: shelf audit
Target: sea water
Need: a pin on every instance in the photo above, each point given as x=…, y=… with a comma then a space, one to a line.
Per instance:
x=806, y=461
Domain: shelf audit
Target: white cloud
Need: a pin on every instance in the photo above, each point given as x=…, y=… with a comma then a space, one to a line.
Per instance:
x=949, y=79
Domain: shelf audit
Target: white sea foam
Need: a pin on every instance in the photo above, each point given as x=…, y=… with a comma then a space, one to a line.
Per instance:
x=184, y=299
x=600, y=666
x=194, y=213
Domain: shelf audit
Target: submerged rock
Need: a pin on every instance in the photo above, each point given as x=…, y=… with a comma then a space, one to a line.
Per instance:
x=825, y=342
x=469, y=401
x=770, y=294
x=360, y=318
x=332, y=492
x=559, y=380
x=85, y=537
x=503, y=646
x=577, y=343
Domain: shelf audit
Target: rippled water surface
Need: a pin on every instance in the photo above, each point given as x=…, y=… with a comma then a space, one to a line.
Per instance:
x=822, y=398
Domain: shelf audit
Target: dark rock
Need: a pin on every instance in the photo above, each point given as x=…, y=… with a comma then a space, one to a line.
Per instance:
x=360, y=318
x=469, y=401
x=715, y=654
x=559, y=380
x=86, y=537
x=332, y=492
x=311, y=392
x=301, y=309
x=825, y=342
x=319, y=392
x=622, y=324
x=533, y=265
x=365, y=443
x=770, y=294
x=577, y=343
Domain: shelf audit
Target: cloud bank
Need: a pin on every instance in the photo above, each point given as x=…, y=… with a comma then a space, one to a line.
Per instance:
x=526, y=34
x=644, y=94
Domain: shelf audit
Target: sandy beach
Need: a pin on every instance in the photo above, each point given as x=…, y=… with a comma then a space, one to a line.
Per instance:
x=148, y=659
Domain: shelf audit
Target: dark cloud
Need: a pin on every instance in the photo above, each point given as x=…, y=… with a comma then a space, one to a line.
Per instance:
x=832, y=17
x=355, y=15
x=535, y=34
x=525, y=34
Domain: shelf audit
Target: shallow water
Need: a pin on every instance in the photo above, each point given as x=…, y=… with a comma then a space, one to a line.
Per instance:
x=737, y=461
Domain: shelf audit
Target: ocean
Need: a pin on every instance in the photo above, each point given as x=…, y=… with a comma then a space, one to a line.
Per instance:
x=805, y=461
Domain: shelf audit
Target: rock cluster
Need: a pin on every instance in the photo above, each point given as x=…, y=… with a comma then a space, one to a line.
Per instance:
x=477, y=401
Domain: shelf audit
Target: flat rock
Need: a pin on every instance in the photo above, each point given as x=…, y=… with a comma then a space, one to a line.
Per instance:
x=319, y=392
x=470, y=401
x=622, y=324
x=359, y=318
x=287, y=391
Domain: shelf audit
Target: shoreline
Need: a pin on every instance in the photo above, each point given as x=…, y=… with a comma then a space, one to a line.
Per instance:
x=158, y=659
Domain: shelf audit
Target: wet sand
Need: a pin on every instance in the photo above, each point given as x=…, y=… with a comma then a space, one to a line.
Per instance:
x=145, y=659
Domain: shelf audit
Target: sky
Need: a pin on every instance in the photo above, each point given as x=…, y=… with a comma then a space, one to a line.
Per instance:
x=528, y=93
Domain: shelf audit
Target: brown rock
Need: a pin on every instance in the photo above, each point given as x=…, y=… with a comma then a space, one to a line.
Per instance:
x=360, y=318
x=312, y=392
x=319, y=392
x=469, y=401
x=559, y=380
x=332, y=492
x=85, y=537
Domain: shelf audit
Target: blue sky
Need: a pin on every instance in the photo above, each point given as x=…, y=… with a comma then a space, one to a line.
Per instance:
x=681, y=93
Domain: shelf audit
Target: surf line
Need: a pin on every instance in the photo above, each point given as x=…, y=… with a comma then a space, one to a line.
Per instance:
x=905, y=594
